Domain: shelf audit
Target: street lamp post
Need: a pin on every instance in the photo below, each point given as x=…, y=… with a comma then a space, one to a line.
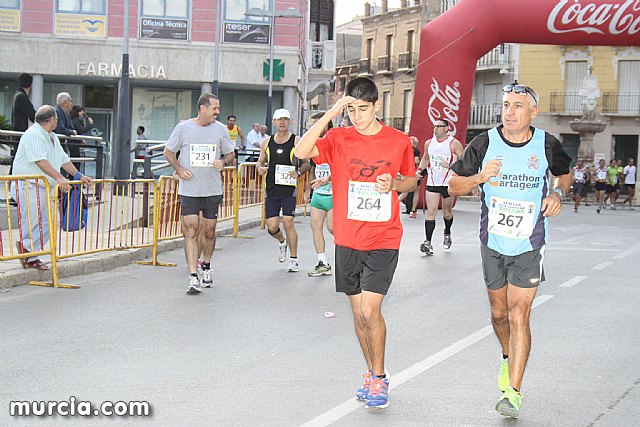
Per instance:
x=272, y=14
x=122, y=137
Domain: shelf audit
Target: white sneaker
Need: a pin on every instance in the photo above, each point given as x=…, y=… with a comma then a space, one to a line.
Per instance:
x=206, y=278
x=293, y=266
x=194, y=286
x=282, y=251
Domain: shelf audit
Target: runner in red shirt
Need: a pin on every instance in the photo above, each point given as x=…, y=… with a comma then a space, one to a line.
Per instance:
x=370, y=163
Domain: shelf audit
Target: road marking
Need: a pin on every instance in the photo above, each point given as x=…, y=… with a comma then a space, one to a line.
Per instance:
x=627, y=252
x=602, y=266
x=572, y=282
x=541, y=300
x=580, y=249
x=344, y=409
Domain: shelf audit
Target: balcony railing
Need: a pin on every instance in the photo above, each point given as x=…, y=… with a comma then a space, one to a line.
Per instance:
x=366, y=66
x=565, y=102
x=499, y=56
x=446, y=5
x=485, y=114
x=384, y=64
x=401, y=123
x=406, y=61
x=317, y=54
x=621, y=103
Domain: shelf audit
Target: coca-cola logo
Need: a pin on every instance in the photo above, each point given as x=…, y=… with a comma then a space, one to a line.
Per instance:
x=600, y=18
x=448, y=105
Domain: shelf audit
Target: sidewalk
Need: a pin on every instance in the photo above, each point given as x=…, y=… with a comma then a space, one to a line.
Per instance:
x=12, y=273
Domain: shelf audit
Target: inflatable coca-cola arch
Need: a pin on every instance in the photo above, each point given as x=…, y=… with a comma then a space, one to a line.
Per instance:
x=451, y=44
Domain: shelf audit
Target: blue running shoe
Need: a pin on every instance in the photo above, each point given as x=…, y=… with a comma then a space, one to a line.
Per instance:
x=378, y=396
x=363, y=392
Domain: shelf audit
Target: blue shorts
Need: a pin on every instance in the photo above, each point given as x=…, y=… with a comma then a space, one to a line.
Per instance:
x=273, y=204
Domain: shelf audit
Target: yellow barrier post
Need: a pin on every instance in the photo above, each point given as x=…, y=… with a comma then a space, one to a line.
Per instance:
x=240, y=177
x=51, y=225
x=53, y=232
x=158, y=207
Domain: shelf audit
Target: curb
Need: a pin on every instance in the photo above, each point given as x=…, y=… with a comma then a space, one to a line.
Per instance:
x=105, y=261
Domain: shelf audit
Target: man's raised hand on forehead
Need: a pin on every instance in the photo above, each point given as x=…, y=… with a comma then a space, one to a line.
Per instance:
x=339, y=106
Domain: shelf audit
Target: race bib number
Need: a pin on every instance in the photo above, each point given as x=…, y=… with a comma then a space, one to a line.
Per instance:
x=202, y=155
x=438, y=161
x=602, y=175
x=323, y=171
x=578, y=176
x=366, y=204
x=283, y=175
x=511, y=218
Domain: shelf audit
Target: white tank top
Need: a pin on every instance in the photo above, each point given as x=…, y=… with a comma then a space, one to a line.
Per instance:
x=439, y=151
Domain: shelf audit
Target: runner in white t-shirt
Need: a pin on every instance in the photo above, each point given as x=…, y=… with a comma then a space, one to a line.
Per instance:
x=630, y=182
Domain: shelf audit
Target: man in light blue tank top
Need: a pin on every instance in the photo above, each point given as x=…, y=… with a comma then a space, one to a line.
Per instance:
x=510, y=163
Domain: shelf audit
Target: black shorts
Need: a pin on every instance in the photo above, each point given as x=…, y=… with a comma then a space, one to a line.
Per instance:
x=209, y=206
x=524, y=270
x=601, y=186
x=612, y=188
x=442, y=190
x=358, y=271
x=273, y=204
x=579, y=189
x=631, y=188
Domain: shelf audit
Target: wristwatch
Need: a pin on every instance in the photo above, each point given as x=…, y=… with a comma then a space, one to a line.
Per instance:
x=560, y=192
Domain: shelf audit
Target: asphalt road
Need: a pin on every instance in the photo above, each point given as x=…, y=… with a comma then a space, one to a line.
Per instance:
x=258, y=350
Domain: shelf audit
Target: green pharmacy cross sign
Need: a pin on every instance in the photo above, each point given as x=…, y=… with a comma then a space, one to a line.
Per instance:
x=278, y=70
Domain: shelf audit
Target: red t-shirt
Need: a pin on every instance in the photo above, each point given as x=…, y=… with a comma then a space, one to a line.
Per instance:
x=356, y=157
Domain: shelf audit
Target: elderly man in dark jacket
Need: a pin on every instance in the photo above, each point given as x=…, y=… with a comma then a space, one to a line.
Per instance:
x=22, y=110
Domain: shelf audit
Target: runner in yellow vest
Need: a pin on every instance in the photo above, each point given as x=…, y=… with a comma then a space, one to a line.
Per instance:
x=235, y=132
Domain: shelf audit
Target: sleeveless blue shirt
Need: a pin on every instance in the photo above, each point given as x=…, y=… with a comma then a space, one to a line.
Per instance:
x=510, y=220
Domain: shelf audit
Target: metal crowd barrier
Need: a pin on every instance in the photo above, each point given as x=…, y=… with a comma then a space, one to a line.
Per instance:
x=113, y=215
x=119, y=215
x=16, y=226
x=303, y=182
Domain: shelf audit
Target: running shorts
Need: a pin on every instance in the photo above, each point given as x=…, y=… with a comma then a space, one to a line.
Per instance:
x=358, y=271
x=442, y=190
x=273, y=204
x=524, y=270
x=209, y=206
x=322, y=201
x=579, y=189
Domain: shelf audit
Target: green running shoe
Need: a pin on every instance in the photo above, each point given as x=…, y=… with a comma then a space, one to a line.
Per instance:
x=510, y=403
x=503, y=377
x=321, y=269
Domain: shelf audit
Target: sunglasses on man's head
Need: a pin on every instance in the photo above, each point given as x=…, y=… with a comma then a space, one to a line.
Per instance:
x=520, y=90
x=439, y=126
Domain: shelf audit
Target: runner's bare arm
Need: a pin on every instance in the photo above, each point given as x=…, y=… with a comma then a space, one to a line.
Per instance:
x=424, y=162
x=262, y=160
x=552, y=204
x=306, y=148
x=462, y=185
x=173, y=161
x=386, y=183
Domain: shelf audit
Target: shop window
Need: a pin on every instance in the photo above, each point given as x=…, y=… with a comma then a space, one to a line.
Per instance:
x=234, y=10
x=570, y=144
x=9, y=4
x=94, y=7
x=166, y=8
